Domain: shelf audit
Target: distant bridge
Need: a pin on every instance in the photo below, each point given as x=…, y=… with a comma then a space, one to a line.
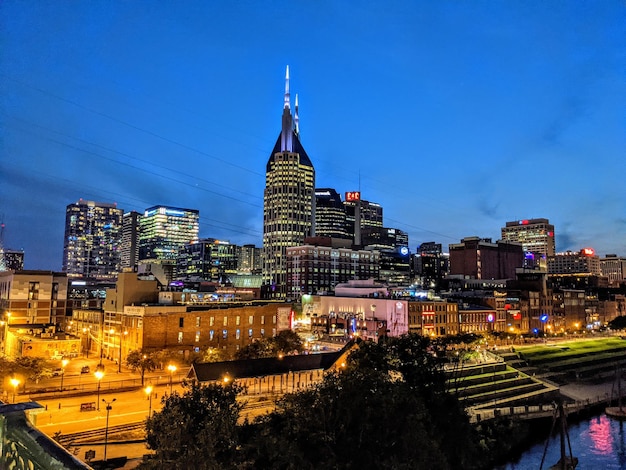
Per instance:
x=535, y=411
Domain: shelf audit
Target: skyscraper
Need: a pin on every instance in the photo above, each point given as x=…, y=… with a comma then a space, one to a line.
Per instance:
x=129, y=250
x=371, y=216
x=164, y=230
x=92, y=240
x=536, y=237
x=330, y=215
x=288, y=199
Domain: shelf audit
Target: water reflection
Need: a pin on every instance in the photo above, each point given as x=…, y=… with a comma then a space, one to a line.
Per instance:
x=599, y=442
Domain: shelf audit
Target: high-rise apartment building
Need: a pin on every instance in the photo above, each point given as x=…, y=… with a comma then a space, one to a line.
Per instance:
x=536, y=237
x=129, y=248
x=330, y=214
x=91, y=247
x=164, y=230
x=288, y=200
x=249, y=260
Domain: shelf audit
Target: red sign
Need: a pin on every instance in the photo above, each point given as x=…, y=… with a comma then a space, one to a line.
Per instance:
x=587, y=252
x=353, y=195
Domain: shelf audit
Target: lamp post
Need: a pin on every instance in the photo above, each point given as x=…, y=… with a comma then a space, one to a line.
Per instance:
x=172, y=368
x=99, y=374
x=63, y=364
x=148, y=391
x=106, y=428
x=15, y=382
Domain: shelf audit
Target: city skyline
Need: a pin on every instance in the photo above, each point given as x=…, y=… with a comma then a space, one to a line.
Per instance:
x=455, y=117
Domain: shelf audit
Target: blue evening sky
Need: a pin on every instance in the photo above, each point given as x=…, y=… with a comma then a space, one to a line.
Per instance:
x=456, y=116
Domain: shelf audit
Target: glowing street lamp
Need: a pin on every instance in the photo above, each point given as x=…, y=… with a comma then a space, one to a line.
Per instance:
x=172, y=368
x=15, y=382
x=148, y=391
x=64, y=363
x=99, y=374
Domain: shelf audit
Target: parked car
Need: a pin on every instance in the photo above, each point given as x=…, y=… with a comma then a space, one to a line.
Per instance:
x=57, y=372
x=85, y=370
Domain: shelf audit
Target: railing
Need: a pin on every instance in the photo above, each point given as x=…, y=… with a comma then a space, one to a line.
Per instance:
x=535, y=411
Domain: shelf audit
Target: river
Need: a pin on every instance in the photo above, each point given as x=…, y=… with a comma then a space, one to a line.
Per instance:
x=598, y=442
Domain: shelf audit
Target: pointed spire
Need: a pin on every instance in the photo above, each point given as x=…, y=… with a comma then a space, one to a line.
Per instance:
x=286, y=135
x=287, y=88
x=296, y=119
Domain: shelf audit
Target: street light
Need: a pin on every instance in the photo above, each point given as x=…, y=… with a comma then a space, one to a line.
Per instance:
x=106, y=429
x=148, y=391
x=99, y=374
x=63, y=364
x=15, y=382
x=172, y=368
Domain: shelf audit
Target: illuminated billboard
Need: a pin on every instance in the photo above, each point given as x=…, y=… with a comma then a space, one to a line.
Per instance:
x=353, y=196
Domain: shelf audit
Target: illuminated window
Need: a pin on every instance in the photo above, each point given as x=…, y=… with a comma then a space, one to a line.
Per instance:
x=180, y=337
x=250, y=333
x=237, y=333
x=211, y=334
x=225, y=321
x=237, y=320
x=225, y=334
x=211, y=321
x=250, y=320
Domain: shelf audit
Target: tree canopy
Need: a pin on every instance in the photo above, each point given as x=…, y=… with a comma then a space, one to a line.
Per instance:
x=386, y=409
x=136, y=360
x=285, y=342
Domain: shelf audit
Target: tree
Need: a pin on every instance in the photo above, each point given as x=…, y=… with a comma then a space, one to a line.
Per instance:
x=196, y=429
x=136, y=360
x=284, y=342
x=287, y=341
x=256, y=350
x=618, y=323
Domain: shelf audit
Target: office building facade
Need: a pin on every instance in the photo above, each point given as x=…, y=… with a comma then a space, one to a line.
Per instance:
x=537, y=239
x=91, y=247
x=330, y=214
x=288, y=200
x=480, y=258
x=129, y=247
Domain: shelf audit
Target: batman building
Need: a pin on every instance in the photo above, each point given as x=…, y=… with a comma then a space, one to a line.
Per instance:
x=288, y=200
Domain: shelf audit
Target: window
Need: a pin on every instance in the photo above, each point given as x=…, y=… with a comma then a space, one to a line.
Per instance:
x=180, y=337
x=237, y=333
x=181, y=322
x=225, y=321
x=250, y=320
x=262, y=319
x=262, y=332
x=211, y=321
x=211, y=334
x=250, y=333
x=197, y=322
x=197, y=336
x=237, y=320
x=225, y=334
